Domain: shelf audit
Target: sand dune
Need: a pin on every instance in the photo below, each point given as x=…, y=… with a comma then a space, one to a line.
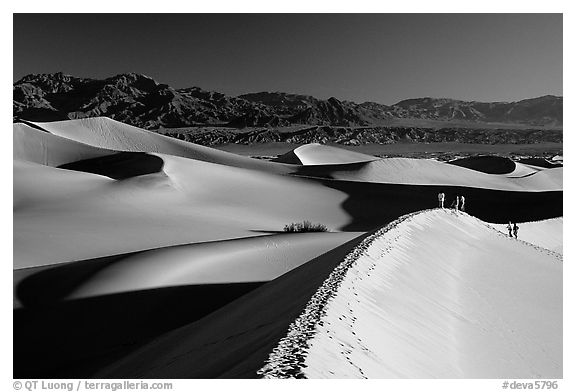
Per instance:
x=33, y=145
x=36, y=185
x=422, y=279
x=112, y=222
x=546, y=233
x=254, y=259
x=320, y=154
x=106, y=133
x=411, y=309
x=523, y=170
x=543, y=163
x=498, y=165
x=431, y=172
x=188, y=201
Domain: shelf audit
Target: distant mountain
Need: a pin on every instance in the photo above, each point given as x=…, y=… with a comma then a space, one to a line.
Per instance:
x=141, y=101
x=546, y=110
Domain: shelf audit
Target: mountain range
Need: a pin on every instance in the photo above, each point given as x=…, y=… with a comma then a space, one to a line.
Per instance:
x=141, y=101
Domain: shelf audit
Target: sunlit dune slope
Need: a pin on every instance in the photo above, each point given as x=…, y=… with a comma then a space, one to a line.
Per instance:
x=434, y=294
x=546, y=233
x=34, y=145
x=253, y=259
x=412, y=306
x=106, y=133
x=186, y=201
x=431, y=172
x=320, y=154
x=119, y=202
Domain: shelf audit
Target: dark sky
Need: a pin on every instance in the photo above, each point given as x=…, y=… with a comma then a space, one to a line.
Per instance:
x=359, y=57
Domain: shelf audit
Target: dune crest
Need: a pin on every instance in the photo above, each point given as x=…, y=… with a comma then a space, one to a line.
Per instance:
x=545, y=233
x=321, y=154
x=109, y=134
x=408, y=306
x=398, y=303
x=431, y=172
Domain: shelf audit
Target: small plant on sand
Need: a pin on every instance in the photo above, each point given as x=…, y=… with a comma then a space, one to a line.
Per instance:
x=305, y=227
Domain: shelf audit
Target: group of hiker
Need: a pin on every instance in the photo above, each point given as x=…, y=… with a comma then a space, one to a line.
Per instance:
x=458, y=204
x=512, y=229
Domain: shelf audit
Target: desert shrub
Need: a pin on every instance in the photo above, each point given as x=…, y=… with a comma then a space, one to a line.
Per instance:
x=305, y=227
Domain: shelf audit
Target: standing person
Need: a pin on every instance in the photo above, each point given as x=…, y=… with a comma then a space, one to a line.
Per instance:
x=515, y=229
x=461, y=203
x=441, y=199
x=509, y=229
x=456, y=202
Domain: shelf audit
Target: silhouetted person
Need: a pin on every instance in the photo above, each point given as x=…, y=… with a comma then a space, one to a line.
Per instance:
x=441, y=197
x=461, y=203
x=509, y=229
x=456, y=202
x=515, y=229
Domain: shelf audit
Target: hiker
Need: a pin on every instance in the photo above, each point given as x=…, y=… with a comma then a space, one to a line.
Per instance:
x=456, y=202
x=461, y=203
x=441, y=196
x=515, y=230
x=509, y=229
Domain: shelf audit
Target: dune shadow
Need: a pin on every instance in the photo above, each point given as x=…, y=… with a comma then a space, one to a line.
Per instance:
x=119, y=166
x=490, y=164
x=326, y=171
x=49, y=284
x=540, y=162
x=372, y=205
x=75, y=339
x=268, y=231
x=59, y=338
x=236, y=340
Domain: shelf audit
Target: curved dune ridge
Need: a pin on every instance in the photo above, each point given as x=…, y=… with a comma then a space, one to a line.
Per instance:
x=253, y=259
x=33, y=145
x=157, y=209
x=106, y=133
x=497, y=165
x=431, y=172
x=318, y=160
x=543, y=163
x=434, y=294
x=546, y=233
x=411, y=307
x=523, y=170
x=320, y=154
x=160, y=199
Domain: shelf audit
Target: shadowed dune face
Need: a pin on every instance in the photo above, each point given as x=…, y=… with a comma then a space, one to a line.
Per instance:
x=245, y=260
x=119, y=166
x=126, y=300
x=540, y=162
x=248, y=327
x=487, y=164
x=77, y=338
x=389, y=201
